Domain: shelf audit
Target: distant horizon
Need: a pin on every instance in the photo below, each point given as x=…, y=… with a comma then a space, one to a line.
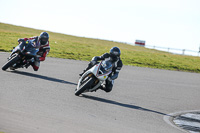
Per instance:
x=130, y=43
x=161, y=48
x=172, y=23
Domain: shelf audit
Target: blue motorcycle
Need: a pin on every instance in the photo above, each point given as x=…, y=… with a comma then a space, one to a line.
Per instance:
x=21, y=56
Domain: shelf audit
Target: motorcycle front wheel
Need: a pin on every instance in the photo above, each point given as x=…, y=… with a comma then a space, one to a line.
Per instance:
x=84, y=86
x=10, y=62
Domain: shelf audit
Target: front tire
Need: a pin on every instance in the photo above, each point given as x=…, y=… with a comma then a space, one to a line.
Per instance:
x=85, y=86
x=10, y=62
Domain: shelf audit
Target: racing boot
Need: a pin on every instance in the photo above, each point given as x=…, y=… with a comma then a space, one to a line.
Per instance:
x=102, y=87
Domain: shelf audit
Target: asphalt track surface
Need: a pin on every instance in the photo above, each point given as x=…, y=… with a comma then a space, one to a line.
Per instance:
x=44, y=101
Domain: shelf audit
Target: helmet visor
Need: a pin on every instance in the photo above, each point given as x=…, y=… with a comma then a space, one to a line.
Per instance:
x=43, y=41
x=114, y=57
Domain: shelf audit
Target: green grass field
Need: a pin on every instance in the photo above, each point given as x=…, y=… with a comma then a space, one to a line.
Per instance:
x=80, y=48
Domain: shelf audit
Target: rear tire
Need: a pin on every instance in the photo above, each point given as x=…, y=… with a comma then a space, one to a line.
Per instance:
x=85, y=86
x=10, y=62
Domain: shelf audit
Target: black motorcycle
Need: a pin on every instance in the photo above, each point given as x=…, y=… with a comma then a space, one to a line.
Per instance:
x=21, y=56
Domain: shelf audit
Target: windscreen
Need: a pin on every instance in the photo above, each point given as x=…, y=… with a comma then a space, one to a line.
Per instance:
x=30, y=47
x=106, y=66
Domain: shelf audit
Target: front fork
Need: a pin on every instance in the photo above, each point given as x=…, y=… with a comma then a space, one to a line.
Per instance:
x=16, y=65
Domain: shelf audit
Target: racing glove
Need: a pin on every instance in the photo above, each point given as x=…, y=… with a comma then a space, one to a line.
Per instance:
x=20, y=40
x=93, y=62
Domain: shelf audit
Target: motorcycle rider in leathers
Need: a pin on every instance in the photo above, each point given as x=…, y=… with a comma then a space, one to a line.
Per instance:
x=41, y=42
x=114, y=56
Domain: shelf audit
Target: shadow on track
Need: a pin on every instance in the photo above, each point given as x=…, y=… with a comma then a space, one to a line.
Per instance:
x=43, y=77
x=121, y=104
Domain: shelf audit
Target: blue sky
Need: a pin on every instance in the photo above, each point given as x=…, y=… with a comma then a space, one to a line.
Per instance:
x=165, y=23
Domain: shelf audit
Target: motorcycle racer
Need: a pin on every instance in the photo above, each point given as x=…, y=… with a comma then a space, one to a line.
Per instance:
x=41, y=42
x=114, y=56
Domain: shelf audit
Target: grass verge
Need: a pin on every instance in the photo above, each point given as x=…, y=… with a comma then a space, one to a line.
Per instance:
x=81, y=48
